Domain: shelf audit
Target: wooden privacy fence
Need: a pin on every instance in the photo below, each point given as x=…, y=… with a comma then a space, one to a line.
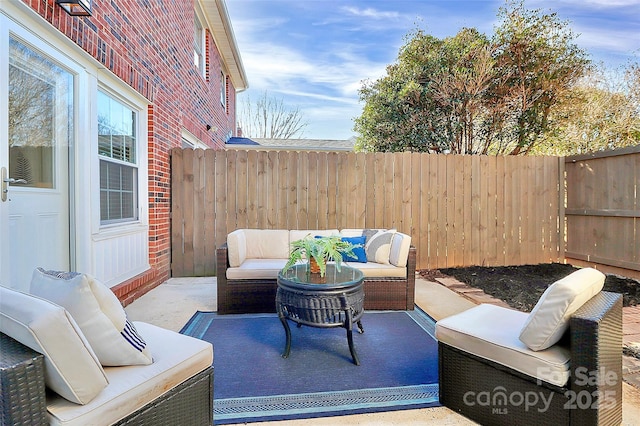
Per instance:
x=603, y=210
x=459, y=210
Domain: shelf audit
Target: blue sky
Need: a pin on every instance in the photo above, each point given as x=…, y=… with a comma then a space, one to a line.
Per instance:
x=315, y=54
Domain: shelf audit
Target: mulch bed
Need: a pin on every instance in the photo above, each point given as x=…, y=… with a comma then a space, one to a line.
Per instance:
x=521, y=286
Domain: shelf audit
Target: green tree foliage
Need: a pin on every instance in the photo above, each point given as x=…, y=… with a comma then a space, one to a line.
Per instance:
x=603, y=112
x=472, y=94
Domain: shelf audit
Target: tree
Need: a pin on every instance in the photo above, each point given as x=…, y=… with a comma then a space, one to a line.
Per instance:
x=430, y=98
x=537, y=65
x=471, y=94
x=603, y=112
x=270, y=118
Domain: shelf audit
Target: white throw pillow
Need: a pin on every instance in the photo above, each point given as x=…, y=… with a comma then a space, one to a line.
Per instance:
x=378, y=245
x=72, y=369
x=549, y=319
x=99, y=314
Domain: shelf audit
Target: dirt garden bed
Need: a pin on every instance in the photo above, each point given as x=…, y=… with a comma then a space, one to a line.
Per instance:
x=521, y=286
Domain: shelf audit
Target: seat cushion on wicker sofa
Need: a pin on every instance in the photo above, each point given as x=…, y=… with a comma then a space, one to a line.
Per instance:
x=491, y=332
x=257, y=269
x=377, y=270
x=549, y=319
x=176, y=358
x=71, y=367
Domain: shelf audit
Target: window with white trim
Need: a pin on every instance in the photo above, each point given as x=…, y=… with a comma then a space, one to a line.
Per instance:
x=117, y=140
x=198, y=44
x=223, y=90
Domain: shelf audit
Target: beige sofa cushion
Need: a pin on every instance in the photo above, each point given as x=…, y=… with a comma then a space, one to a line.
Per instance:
x=267, y=243
x=257, y=269
x=176, y=358
x=491, y=332
x=298, y=234
x=72, y=369
x=378, y=270
x=351, y=232
x=236, y=248
x=98, y=312
x=549, y=319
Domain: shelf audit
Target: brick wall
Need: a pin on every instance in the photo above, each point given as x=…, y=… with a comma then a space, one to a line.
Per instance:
x=149, y=45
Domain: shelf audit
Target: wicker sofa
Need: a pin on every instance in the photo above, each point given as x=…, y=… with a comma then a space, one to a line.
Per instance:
x=42, y=347
x=249, y=262
x=583, y=387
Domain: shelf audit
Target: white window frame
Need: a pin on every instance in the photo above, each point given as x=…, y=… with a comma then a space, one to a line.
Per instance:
x=108, y=87
x=199, y=42
x=130, y=164
x=223, y=90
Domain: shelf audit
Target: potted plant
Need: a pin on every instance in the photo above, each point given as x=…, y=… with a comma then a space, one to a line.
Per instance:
x=318, y=250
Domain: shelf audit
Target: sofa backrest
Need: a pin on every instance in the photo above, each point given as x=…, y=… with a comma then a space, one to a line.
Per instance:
x=245, y=244
x=257, y=244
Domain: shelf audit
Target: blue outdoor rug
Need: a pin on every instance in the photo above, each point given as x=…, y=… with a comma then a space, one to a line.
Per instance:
x=252, y=382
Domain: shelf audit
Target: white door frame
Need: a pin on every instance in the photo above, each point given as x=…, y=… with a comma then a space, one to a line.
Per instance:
x=19, y=28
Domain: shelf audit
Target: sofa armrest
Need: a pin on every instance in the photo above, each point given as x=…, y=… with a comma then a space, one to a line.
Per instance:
x=222, y=263
x=21, y=384
x=596, y=358
x=411, y=277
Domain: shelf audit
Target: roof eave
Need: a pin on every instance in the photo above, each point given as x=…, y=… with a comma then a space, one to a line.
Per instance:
x=220, y=27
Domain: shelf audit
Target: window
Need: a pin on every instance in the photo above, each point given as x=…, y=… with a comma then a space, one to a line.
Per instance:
x=223, y=90
x=198, y=43
x=117, y=125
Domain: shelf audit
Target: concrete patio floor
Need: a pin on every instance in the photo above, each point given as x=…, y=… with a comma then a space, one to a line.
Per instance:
x=172, y=304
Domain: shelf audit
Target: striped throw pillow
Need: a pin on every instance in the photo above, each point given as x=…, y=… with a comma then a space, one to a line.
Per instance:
x=98, y=313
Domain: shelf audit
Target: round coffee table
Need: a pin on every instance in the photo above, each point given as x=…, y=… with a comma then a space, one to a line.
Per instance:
x=337, y=303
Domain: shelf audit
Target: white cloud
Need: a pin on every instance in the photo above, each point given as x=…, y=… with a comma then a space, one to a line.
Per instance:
x=601, y=4
x=371, y=13
x=610, y=40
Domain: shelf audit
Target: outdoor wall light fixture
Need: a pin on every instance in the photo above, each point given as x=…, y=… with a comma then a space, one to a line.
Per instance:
x=76, y=7
x=211, y=128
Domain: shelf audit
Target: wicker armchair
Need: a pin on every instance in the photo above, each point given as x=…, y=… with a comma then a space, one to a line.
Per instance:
x=23, y=401
x=593, y=395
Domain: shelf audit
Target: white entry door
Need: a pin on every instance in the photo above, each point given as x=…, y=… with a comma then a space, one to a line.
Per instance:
x=34, y=161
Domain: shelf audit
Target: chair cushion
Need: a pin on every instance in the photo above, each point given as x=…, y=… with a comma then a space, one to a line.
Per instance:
x=98, y=312
x=491, y=332
x=378, y=245
x=178, y=358
x=72, y=369
x=549, y=319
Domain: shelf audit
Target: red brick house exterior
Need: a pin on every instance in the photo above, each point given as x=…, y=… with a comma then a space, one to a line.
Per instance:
x=180, y=99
